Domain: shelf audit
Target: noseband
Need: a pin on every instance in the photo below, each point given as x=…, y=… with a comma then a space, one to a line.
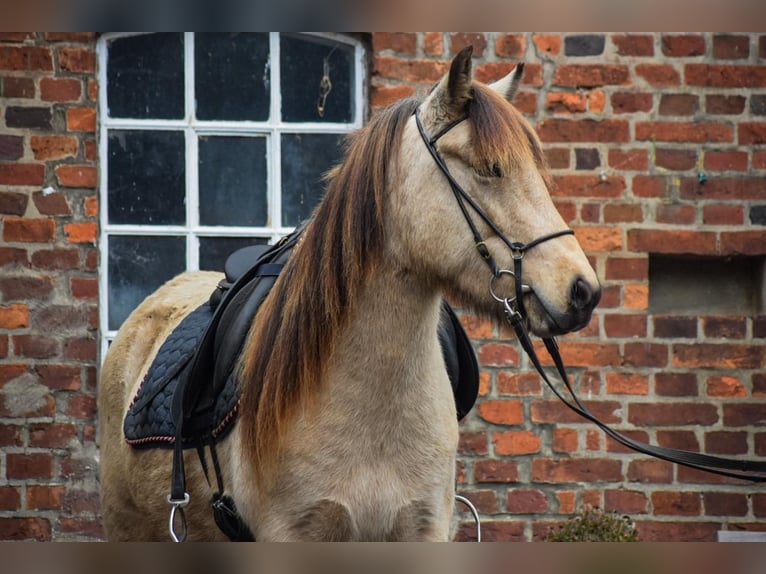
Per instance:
x=516, y=313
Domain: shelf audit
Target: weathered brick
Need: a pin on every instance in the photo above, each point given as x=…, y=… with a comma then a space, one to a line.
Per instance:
x=26, y=58
x=676, y=214
x=725, y=503
x=653, y=471
x=724, y=356
x=649, y=186
x=724, y=188
x=516, y=442
x=758, y=104
x=749, y=133
x=675, y=327
x=526, y=501
x=599, y=239
x=649, y=531
x=460, y=40
x=511, y=46
x=27, y=528
x=31, y=117
x=631, y=102
x=627, y=384
x=682, y=132
x=725, y=75
x=590, y=470
x=681, y=440
x=14, y=87
x=83, y=232
x=23, y=466
x=14, y=316
x=77, y=175
x=53, y=147
x=671, y=241
x=659, y=75
x=11, y=147
x=726, y=160
x=10, y=498
x=498, y=354
x=12, y=203
x=554, y=411
x=675, y=384
x=625, y=325
x=631, y=268
x=634, y=44
x=566, y=102
x=645, y=355
x=493, y=531
x=588, y=186
x=675, y=159
x=625, y=501
x=433, y=43
x=676, y=503
x=502, y=412
x=45, y=497
x=672, y=414
x=383, y=96
x=744, y=414
x=27, y=230
x=729, y=47
x=35, y=346
x=492, y=470
x=547, y=43
x=743, y=242
x=678, y=104
x=591, y=75
x=584, y=45
x=78, y=60
x=60, y=89
x=680, y=46
x=403, y=42
x=56, y=259
x=587, y=158
x=724, y=104
x=59, y=377
x=723, y=214
x=518, y=384
x=81, y=119
x=629, y=159
x=473, y=443
x=725, y=387
x=724, y=327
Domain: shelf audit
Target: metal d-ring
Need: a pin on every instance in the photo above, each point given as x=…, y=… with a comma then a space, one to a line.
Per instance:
x=475, y=513
x=495, y=296
x=177, y=506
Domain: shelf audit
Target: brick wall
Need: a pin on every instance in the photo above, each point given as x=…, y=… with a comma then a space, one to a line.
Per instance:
x=48, y=286
x=628, y=122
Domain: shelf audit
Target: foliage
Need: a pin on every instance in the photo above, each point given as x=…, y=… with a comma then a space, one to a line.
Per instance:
x=595, y=525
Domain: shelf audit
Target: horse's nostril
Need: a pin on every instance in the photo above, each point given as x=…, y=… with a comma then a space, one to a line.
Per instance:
x=584, y=296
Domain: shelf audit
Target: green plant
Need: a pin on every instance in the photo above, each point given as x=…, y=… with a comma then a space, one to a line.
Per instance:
x=595, y=525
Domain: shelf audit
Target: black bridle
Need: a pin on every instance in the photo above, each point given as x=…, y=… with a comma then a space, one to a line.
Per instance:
x=516, y=315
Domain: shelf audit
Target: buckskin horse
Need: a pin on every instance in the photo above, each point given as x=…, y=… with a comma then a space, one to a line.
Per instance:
x=346, y=426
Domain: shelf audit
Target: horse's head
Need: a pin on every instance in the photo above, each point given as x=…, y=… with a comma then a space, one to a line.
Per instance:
x=495, y=162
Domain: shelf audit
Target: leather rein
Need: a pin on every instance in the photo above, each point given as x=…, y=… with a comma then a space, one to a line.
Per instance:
x=516, y=315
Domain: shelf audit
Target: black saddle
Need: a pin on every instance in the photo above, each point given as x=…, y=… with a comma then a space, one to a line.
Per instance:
x=192, y=381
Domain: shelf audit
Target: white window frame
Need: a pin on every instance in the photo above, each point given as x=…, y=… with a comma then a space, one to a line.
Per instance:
x=193, y=128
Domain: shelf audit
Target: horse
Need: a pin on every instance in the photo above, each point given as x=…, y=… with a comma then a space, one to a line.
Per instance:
x=346, y=428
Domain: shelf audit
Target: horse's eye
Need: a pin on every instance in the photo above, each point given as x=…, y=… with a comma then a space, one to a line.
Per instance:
x=496, y=171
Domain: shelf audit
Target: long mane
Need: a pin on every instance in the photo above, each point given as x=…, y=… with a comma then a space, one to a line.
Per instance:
x=285, y=356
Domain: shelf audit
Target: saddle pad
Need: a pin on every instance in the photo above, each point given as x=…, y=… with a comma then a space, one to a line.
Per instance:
x=148, y=422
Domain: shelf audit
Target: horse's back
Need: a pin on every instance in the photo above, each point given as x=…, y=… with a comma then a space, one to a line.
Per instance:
x=130, y=477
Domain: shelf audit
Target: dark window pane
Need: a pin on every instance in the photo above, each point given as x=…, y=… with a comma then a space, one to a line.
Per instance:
x=302, y=68
x=145, y=77
x=213, y=251
x=232, y=181
x=137, y=267
x=305, y=159
x=146, y=177
x=232, y=76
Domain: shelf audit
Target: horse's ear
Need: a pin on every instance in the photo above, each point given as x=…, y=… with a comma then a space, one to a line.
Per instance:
x=452, y=93
x=508, y=85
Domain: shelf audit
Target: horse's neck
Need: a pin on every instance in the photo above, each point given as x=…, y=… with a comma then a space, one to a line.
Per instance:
x=391, y=333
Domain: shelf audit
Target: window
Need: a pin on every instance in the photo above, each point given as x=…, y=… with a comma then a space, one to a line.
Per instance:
x=210, y=142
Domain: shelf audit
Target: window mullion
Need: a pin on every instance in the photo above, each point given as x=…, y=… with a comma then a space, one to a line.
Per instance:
x=274, y=177
x=192, y=163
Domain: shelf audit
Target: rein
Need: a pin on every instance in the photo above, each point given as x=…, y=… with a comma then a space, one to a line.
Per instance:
x=516, y=315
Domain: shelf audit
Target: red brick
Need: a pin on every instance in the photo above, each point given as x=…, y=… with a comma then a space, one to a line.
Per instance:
x=725, y=327
x=728, y=47
x=460, y=40
x=744, y=414
x=631, y=102
x=473, y=443
x=80, y=349
x=492, y=470
x=749, y=133
x=627, y=384
x=81, y=119
x=35, y=346
x=51, y=204
x=25, y=230
x=26, y=288
x=671, y=241
x=599, y=239
x=566, y=130
x=32, y=528
x=79, y=60
x=678, y=104
x=383, y=96
x=675, y=159
x=503, y=412
x=720, y=104
x=623, y=213
x=492, y=531
x=13, y=203
x=554, y=411
x=591, y=75
x=566, y=102
x=511, y=46
x=651, y=470
x=22, y=173
x=410, y=70
x=519, y=384
x=677, y=531
x=60, y=89
x=14, y=316
x=683, y=132
x=649, y=186
x=77, y=176
x=659, y=75
x=516, y=442
x=565, y=440
x=13, y=87
x=485, y=501
x=547, y=43
x=725, y=504
x=53, y=147
x=675, y=384
x=587, y=186
x=672, y=414
x=24, y=466
x=725, y=387
x=16, y=36
x=84, y=288
x=70, y=36
x=10, y=435
x=596, y=101
x=631, y=268
x=56, y=259
x=402, y=42
x=83, y=232
x=625, y=501
x=676, y=503
x=681, y=440
x=725, y=356
x=725, y=75
x=625, y=325
x=723, y=214
x=672, y=327
x=526, y=103
x=726, y=160
x=477, y=327
x=590, y=470
x=47, y=497
x=12, y=256
x=634, y=44
x=683, y=45
x=526, y=501
x=676, y=214
x=724, y=188
x=616, y=447
x=433, y=43
x=87, y=527
x=629, y=159
x=10, y=498
x=584, y=354
x=26, y=58
x=759, y=504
